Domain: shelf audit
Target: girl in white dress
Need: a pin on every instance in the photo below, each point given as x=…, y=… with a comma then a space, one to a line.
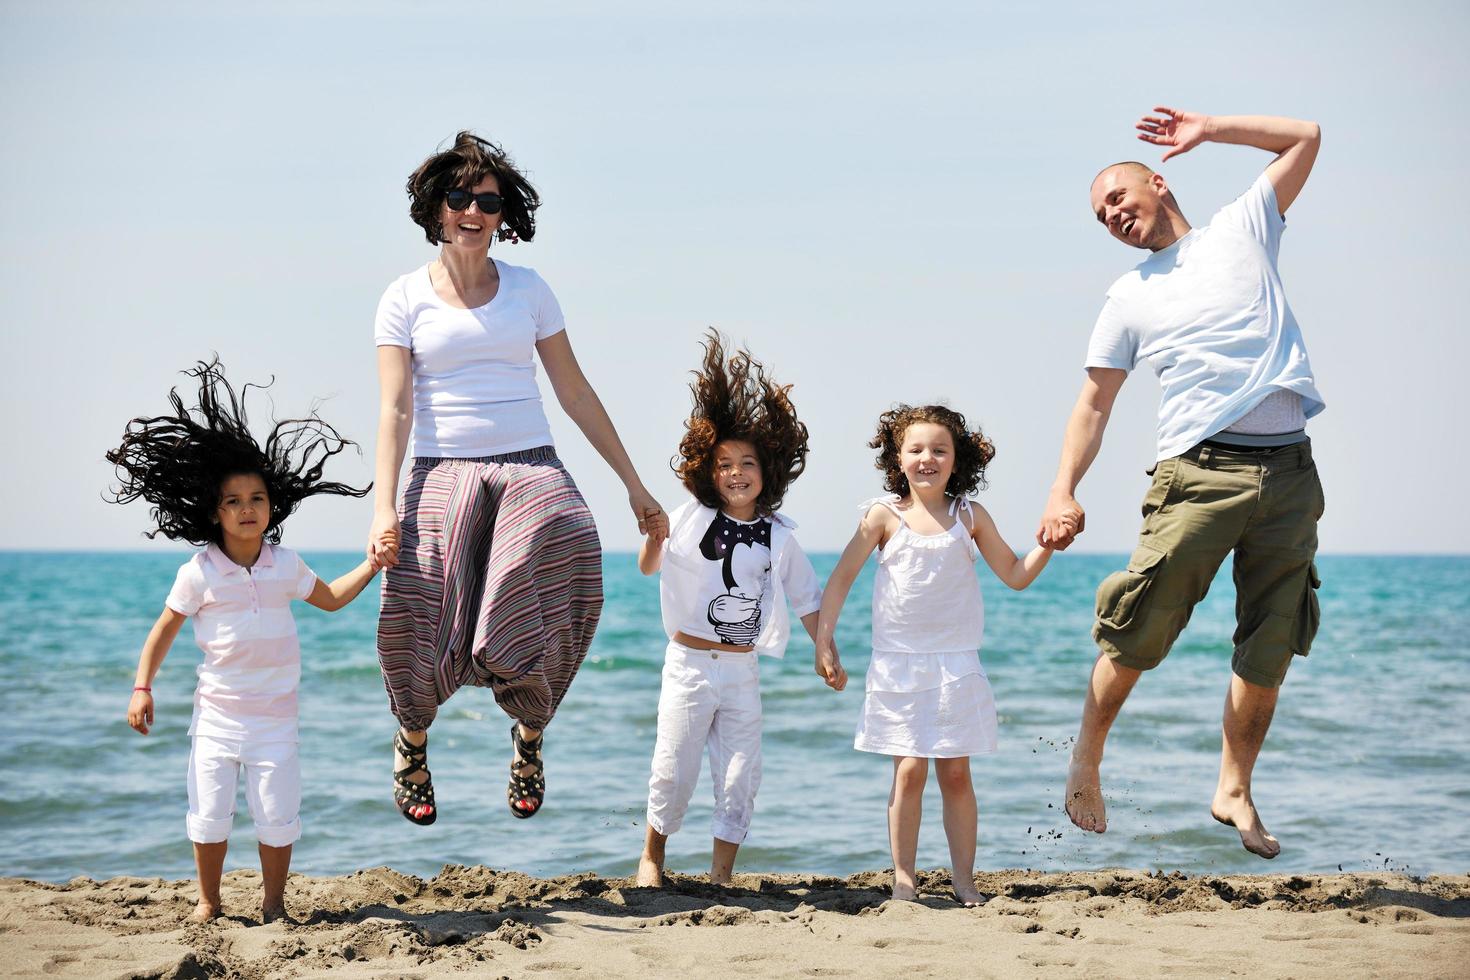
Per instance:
x=927, y=695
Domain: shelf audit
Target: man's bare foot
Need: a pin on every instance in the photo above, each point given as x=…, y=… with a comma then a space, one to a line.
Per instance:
x=1084, y=803
x=273, y=913
x=967, y=894
x=905, y=891
x=204, y=911
x=1238, y=811
x=650, y=873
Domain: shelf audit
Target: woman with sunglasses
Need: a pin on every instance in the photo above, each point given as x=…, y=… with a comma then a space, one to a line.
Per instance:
x=494, y=569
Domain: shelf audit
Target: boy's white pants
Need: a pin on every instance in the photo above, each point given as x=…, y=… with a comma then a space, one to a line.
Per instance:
x=709, y=697
x=272, y=789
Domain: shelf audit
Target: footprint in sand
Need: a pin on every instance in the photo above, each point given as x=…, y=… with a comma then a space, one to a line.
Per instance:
x=893, y=941
x=56, y=963
x=552, y=965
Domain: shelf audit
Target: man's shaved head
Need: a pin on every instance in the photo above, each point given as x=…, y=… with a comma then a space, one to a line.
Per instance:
x=1130, y=167
x=1136, y=205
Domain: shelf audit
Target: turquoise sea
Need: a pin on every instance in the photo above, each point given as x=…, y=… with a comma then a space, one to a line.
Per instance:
x=1365, y=767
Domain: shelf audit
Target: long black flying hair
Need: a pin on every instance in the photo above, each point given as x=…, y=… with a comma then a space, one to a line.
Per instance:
x=177, y=462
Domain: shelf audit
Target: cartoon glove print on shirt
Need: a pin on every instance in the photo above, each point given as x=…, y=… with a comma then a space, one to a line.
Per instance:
x=745, y=553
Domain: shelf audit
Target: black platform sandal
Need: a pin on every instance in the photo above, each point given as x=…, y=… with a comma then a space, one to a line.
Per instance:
x=528, y=786
x=407, y=793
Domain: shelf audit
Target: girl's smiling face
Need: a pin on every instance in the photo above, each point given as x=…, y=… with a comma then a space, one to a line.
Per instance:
x=927, y=456
x=738, y=477
x=244, y=510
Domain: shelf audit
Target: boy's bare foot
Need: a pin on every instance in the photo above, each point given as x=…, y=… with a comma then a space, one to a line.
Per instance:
x=967, y=894
x=650, y=873
x=905, y=891
x=1238, y=811
x=273, y=913
x=204, y=911
x=1084, y=803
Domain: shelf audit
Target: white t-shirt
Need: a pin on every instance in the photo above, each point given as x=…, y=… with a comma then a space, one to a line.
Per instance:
x=734, y=558
x=693, y=586
x=1209, y=315
x=474, y=371
x=243, y=623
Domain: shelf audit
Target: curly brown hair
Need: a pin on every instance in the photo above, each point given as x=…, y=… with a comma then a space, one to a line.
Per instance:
x=972, y=451
x=470, y=160
x=734, y=399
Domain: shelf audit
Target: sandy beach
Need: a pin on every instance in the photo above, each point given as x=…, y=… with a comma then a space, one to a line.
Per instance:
x=379, y=923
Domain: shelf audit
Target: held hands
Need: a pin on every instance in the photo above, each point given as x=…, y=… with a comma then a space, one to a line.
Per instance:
x=829, y=667
x=1062, y=521
x=1179, y=130
x=383, y=539
x=140, y=712
x=652, y=520
x=389, y=540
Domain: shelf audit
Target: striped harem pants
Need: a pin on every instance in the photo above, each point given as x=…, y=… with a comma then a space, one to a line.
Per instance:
x=498, y=584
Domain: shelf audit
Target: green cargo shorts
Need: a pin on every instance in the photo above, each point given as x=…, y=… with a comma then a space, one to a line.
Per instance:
x=1261, y=504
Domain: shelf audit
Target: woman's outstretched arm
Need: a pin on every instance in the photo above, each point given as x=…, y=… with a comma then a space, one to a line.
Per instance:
x=395, y=419
x=577, y=398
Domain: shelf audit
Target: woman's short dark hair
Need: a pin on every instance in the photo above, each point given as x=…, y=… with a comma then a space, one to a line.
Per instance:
x=735, y=400
x=972, y=451
x=470, y=160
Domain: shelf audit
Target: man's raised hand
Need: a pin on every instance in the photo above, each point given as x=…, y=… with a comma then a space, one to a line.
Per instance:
x=1176, y=129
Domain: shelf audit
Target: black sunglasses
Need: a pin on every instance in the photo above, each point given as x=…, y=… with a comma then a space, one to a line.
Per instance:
x=459, y=199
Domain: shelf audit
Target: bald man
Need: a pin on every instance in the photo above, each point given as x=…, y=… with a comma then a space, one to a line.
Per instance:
x=1234, y=472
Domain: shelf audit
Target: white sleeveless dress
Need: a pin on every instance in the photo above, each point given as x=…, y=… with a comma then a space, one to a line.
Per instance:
x=927, y=694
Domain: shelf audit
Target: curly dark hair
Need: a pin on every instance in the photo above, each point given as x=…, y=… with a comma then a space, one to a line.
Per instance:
x=470, y=160
x=734, y=399
x=972, y=451
x=177, y=462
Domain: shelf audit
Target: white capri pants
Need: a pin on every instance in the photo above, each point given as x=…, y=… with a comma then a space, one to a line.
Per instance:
x=709, y=697
x=272, y=789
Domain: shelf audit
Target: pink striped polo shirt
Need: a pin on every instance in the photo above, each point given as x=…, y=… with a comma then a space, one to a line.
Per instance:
x=243, y=623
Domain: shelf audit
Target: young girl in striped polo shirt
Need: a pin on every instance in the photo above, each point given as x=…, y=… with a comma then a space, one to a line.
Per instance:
x=211, y=484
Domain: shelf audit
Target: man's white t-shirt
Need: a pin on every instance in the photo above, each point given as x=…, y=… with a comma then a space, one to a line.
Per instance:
x=1209, y=315
x=243, y=624
x=474, y=371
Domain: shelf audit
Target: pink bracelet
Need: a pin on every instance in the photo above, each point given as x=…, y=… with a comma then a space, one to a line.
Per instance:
x=148, y=689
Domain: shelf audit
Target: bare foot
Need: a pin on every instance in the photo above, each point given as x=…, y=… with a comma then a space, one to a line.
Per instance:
x=905, y=891
x=1238, y=811
x=1084, y=803
x=650, y=873
x=967, y=894
x=273, y=913
x=204, y=911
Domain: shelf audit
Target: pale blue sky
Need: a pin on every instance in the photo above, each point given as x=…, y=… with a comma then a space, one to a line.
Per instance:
x=886, y=204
